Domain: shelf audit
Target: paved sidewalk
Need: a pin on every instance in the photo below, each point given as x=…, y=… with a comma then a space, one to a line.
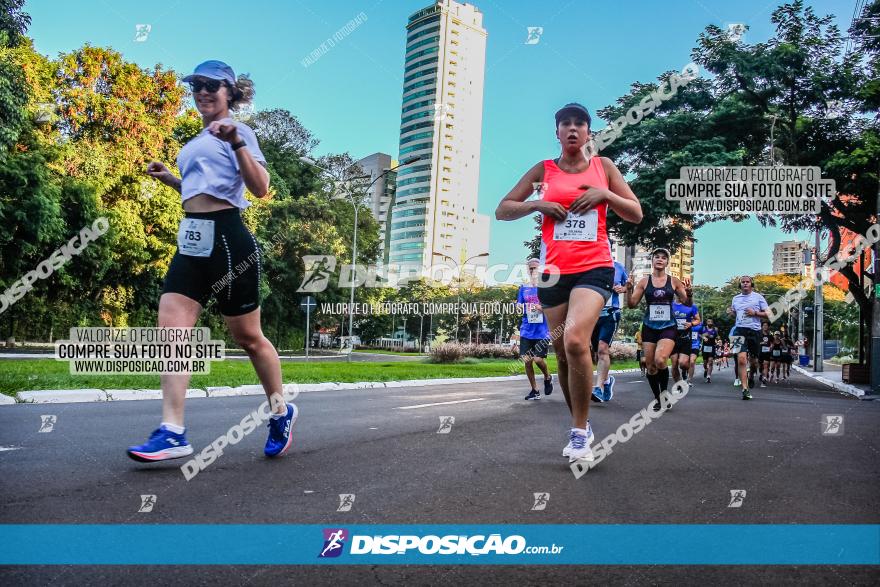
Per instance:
x=832, y=376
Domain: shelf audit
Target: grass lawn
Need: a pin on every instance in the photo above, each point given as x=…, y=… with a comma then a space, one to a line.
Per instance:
x=387, y=352
x=21, y=374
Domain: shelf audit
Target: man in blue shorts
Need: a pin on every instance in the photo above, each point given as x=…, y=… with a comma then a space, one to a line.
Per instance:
x=534, y=337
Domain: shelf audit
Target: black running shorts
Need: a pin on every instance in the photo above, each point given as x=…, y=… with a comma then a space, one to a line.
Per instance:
x=231, y=274
x=750, y=342
x=600, y=279
x=682, y=345
x=534, y=347
x=652, y=335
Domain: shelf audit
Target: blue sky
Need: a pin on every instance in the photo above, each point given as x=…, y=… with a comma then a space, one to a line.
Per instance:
x=589, y=52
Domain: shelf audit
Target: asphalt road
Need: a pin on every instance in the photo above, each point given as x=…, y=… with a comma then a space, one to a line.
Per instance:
x=500, y=451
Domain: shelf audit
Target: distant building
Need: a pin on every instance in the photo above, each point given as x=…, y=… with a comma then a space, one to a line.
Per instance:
x=792, y=257
x=681, y=264
x=381, y=196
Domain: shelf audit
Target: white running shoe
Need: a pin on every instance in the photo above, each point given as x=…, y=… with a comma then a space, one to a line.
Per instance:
x=580, y=445
x=737, y=382
x=567, y=450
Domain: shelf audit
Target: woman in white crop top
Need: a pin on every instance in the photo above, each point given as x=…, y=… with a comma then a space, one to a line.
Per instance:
x=217, y=257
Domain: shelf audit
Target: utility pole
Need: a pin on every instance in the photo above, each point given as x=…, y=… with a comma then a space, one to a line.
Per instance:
x=801, y=321
x=875, y=305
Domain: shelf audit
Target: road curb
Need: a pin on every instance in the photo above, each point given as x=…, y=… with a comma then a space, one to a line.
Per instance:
x=63, y=396
x=841, y=387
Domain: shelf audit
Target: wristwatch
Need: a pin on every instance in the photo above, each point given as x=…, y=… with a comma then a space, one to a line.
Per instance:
x=238, y=145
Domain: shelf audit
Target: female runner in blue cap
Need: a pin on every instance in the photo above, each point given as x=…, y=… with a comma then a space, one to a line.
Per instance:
x=216, y=166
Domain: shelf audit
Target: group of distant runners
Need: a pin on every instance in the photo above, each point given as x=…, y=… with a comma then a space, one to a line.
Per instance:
x=672, y=335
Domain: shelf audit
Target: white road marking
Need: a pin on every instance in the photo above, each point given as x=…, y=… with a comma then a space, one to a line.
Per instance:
x=3, y=448
x=458, y=401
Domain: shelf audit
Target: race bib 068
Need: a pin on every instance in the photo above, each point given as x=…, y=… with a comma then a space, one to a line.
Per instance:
x=659, y=312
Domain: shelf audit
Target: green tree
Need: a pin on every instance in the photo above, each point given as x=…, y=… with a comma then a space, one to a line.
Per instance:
x=799, y=85
x=13, y=22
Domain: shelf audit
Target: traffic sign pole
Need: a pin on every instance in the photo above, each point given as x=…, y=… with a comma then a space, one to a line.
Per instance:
x=307, y=304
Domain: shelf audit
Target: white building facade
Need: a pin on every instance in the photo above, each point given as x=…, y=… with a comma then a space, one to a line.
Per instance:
x=381, y=195
x=788, y=257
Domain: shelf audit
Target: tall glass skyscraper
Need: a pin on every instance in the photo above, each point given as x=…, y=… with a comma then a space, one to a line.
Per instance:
x=434, y=218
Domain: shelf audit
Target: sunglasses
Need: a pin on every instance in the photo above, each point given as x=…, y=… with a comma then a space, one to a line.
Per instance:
x=212, y=85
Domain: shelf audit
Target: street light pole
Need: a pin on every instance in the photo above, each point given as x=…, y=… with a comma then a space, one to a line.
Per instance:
x=354, y=250
x=818, y=335
x=354, y=205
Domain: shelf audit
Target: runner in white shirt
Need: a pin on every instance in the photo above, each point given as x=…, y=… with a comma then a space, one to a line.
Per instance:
x=748, y=307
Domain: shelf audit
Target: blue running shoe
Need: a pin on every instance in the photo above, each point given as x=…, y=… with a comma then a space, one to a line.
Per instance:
x=598, y=395
x=281, y=432
x=608, y=389
x=162, y=445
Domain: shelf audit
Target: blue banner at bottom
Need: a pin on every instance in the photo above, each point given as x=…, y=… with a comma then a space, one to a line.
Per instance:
x=242, y=544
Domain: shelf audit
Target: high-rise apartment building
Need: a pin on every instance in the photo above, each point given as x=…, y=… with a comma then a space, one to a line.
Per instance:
x=434, y=218
x=789, y=257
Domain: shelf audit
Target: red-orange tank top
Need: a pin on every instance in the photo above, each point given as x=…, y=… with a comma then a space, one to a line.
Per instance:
x=574, y=256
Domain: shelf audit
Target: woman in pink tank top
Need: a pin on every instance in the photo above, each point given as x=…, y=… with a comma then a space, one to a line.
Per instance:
x=576, y=192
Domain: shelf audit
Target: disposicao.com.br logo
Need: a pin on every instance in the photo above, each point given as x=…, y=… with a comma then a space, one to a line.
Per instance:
x=476, y=545
x=334, y=542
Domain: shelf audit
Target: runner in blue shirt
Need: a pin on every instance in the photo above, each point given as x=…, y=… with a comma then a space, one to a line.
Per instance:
x=534, y=337
x=686, y=318
x=603, y=332
x=695, y=350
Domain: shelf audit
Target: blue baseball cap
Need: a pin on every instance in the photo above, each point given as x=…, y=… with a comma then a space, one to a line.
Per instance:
x=212, y=69
x=573, y=109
